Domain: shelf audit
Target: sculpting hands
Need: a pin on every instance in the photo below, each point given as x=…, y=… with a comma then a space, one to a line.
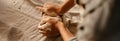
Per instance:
x=47, y=25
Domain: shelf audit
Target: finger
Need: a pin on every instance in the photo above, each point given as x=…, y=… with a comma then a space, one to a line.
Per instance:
x=42, y=32
x=41, y=8
x=38, y=8
x=42, y=22
x=41, y=28
x=46, y=27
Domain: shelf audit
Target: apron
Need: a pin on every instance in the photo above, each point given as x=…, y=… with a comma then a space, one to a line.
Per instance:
x=94, y=19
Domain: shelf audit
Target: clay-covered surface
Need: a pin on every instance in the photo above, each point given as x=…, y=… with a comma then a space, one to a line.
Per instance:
x=19, y=20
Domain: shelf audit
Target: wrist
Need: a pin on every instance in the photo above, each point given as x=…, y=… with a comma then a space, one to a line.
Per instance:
x=59, y=25
x=61, y=28
x=58, y=10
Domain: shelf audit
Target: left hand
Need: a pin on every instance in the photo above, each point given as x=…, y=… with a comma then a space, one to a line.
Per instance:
x=49, y=8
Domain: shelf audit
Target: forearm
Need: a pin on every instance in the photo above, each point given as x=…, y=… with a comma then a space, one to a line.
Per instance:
x=65, y=33
x=66, y=6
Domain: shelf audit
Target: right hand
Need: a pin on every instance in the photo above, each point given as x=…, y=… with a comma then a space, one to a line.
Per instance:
x=44, y=28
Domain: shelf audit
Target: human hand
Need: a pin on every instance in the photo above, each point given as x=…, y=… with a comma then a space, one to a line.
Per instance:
x=46, y=26
x=49, y=33
x=49, y=8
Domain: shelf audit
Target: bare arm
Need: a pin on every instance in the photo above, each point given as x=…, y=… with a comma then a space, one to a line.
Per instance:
x=65, y=7
x=65, y=33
